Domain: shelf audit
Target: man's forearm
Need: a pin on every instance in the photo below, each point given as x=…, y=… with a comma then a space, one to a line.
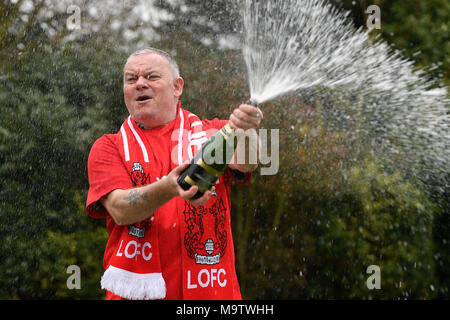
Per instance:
x=137, y=204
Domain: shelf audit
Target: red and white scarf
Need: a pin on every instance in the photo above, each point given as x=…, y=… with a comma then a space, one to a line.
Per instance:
x=134, y=271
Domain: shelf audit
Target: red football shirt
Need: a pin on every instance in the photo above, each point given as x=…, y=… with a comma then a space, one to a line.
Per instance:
x=107, y=173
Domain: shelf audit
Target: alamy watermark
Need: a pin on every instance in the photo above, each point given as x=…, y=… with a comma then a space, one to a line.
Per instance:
x=252, y=148
x=374, y=17
x=374, y=281
x=74, y=280
x=73, y=22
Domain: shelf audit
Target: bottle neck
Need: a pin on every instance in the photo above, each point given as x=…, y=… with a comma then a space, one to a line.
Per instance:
x=226, y=131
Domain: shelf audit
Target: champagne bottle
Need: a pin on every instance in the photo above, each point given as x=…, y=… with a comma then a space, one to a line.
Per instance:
x=211, y=161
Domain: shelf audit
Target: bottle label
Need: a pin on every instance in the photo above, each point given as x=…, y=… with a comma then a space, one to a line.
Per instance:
x=209, y=169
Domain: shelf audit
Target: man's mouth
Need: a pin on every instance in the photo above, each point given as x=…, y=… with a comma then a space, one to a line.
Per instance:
x=143, y=98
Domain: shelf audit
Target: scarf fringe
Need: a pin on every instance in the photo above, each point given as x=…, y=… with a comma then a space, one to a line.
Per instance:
x=134, y=286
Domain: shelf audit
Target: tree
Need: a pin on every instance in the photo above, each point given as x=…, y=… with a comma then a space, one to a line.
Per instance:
x=419, y=28
x=310, y=231
x=199, y=20
x=54, y=106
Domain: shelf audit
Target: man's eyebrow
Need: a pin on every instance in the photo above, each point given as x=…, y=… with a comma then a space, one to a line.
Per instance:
x=150, y=71
x=145, y=72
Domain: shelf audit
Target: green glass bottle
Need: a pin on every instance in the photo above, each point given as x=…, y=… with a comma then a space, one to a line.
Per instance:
x=211, y=161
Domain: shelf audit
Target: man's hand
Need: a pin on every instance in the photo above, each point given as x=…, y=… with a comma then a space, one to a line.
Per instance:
x=245, y=117
x=244, y=121
x=187, y=194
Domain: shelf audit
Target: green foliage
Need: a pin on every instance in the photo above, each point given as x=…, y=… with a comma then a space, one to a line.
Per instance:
x=424, y=24
x=315, y=238
x=214, y=82
x=60, y=250
x=418, y=28
x=380, y=220
x=52, y=113
x=203, y=20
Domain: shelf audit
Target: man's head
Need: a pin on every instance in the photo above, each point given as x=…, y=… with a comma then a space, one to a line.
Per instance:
x=151, y=87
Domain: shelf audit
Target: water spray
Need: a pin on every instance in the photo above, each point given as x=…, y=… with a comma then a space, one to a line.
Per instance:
x=311, y=48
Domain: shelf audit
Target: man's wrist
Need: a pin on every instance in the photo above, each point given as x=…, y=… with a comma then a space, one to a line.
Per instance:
x=169, y=187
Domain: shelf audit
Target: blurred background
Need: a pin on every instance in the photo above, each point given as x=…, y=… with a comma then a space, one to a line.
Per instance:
x=308, y=232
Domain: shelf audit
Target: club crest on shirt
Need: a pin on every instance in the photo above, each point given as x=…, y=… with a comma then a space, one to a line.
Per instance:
x=206, y=238
x=138, y=229
x=138, y=176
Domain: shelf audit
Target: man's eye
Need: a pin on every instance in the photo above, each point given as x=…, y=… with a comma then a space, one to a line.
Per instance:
x=131, y=79
x=151, y=76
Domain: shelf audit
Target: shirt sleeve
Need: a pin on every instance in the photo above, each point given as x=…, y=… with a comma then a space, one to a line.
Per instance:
x=106, y=173
x=240, y=178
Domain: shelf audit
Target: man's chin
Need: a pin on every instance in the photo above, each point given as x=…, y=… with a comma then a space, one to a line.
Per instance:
x=143, y=117
x=150, y=117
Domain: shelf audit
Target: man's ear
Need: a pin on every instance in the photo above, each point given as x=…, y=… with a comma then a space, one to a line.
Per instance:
x=178, y=84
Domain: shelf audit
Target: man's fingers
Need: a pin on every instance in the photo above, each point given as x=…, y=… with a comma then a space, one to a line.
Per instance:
x=187, y=194
x=202, y=200
x=244, y=121
x=181, y=167
x=252, y=111
x=259, y=113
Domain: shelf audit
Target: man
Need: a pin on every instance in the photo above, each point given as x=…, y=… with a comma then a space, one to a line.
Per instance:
x=162, y=243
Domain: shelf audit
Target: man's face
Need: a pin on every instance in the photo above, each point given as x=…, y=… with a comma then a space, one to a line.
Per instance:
x=150, y=91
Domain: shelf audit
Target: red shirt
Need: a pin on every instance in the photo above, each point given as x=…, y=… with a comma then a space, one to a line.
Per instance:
x=107, y=173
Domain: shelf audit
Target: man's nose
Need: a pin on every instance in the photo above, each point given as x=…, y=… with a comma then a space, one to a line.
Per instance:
x=141, y=83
